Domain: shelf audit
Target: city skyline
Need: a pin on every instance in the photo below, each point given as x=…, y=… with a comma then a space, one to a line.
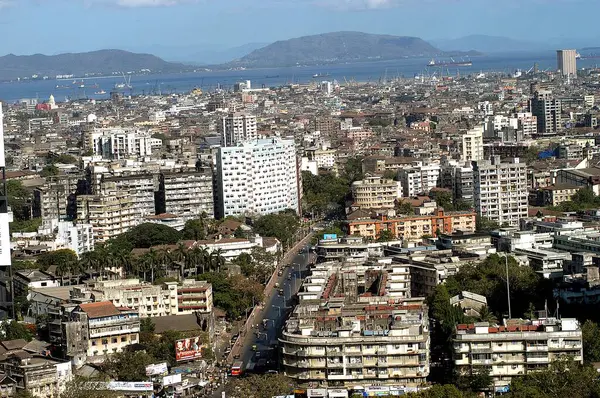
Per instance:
x=163, y=26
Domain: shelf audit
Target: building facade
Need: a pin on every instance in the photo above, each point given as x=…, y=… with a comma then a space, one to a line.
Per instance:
x=375, y=192
x=188, y=195
x=516, y=348
x=500, y=190
x=258, y=177
x=472, y=144
x=548, y=112
x=236, y=128
x=566, y=61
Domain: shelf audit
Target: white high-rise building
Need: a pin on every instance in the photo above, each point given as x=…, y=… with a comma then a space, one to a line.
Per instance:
x=419, y=179
x=500, y=190
x=566, y=61
x=236, y=128
x=258, y=177
x=120, y=143
x=472, y=144
x=5, y=219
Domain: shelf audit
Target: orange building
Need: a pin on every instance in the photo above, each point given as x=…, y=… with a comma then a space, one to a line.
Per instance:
x=413, y=227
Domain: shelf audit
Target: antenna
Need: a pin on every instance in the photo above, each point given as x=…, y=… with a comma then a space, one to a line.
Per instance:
x=508, y=287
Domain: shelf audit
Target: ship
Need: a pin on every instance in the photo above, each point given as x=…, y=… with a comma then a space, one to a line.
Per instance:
x=316, y=75
x=433, y=62
x=101, y=92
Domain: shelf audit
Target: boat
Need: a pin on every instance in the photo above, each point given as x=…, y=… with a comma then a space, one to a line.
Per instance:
x=271, y=76
x=577, y=56
x=433, y=62
x=316, y=75
x=101, y=92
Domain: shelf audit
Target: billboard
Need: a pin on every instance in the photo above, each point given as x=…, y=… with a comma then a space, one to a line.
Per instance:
x=188, y=349
x=156, y=369
x=130, y=386
x=172, y=379
x=329, y=236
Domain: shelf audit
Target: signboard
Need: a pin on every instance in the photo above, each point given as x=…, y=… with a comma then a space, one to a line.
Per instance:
x=329, y=236
x=171, y=379
x=156, y=369
x=188, y=349
x=130, y=386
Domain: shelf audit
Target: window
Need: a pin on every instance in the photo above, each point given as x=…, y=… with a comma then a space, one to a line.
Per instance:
x=114, y=340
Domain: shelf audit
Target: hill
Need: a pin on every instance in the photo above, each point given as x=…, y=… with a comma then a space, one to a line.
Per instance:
x=102, y=61
x=487, y=44
x=338, y=47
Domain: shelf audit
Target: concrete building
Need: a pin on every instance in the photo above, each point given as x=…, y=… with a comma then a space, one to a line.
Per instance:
x=95, y=330
x=27, y=279
x=258, y=177
x=458, y=178
x=139, y=187
x=110, y=213
x=325, y=158
x=556, y=194
x=236, y=128
x=413, y=228
x=338, y=336
x=566, y=61
x=500, y=190
x=375, y=192
x=120, y=143
x=149, y=300
x=515, y=349
x=526, y=123
x=547, y=109
x=188, y=195
x=472, y=144
x=51, y=200
x=419, y=179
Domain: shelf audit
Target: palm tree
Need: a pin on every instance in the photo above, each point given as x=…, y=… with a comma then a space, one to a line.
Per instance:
x=62, y=269
x=180, y=255
x=485, y=315
x=216, y=261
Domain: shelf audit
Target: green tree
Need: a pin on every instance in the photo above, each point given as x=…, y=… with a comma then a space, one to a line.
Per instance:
x=49, y=171
x=390, y=174
x=147, y=325
x=483, y=224
x=64, y=158
x=194, y=229
x=443, y=198
x=385, y=235
x=438, y=391
x=332, y=230
x=128, y=365
x=234, y=294
x=260, y=386
x=19, y=199
x=324, y=194
x=404, y=207
x=591, y=341
x=352, y=170
x=13, y=330
x=146, y=235
x=282, y=226
x=485, y=315
x=65, y=260
x=30, y=225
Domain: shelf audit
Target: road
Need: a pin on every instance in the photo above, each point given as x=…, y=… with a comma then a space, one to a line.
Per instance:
x=271, y=320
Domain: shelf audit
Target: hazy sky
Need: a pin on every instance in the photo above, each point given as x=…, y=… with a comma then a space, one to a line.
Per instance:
x=52, y=26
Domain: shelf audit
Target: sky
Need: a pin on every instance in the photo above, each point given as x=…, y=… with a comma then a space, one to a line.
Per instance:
x=164, y=26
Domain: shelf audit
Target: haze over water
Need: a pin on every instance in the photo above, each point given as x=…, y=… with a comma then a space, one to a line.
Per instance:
x=270, y=77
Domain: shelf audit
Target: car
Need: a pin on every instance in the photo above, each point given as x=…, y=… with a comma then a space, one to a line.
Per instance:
x=280, y=272
x=277, y=284
x=281, y=293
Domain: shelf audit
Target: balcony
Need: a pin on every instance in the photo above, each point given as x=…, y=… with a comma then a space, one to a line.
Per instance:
x=537, y=348
x=537, y=359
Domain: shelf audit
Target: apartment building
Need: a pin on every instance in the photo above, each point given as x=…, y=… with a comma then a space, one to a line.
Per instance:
x=413, y=228
x=556, y=194
x=375, y=192
x=120, y=143
x=236, y=128
x=516, y=348
x=500, y=190
x=566, y=62
x=51, y=200
x=149, y=300
x=92, y=331
x=348, y=329
x=472, y=144
x=547, y=109
x=110, y=213
x=420, y=178
x=325, y=158
x=258, y=177
x=526, y=122
x=140, y=188
x=458, y=178
x=186, y=194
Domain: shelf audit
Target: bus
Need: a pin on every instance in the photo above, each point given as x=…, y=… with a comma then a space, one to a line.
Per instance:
x=236, y=368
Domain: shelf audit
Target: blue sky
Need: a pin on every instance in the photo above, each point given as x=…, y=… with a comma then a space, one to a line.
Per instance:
x=53, y=26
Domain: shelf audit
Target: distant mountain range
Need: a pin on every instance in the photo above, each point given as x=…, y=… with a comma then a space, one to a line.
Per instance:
x=102, y=61
x=498, y=44
x=340, y=47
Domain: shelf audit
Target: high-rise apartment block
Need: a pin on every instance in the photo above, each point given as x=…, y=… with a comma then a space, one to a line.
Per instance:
x=458, y=177
x=547, y=109
x=566, y=61
x=5, y=219
x=188, y=195
x=516, y=348
x=258, y=177
x=472, y=144
x=500, y=190
x=418, y=179
x=120, y=143
x=350, y=327
x=236, y=128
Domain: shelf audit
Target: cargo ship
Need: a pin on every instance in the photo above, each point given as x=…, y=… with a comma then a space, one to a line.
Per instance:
x=433, y=62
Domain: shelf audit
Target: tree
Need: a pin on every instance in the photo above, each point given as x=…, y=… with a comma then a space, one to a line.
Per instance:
x=443, y=198
x=147, y=325
x=282, y=226
x=49, y=170
x=323, y=194
x=483, y=224
x=438, y=391
x=403, y=207
x=591, y=341
x=260, y=386
x=385, y=235
x=24, y=394
x=194, y=230
x=485, y=315
x=30, y=225
x=64, y=158
x=57, y=257
x=128, y=365
x=82, y=387
x=13, y=330
x=19, y=198
x=390, y=174
x=146, y=235
x=352, y=170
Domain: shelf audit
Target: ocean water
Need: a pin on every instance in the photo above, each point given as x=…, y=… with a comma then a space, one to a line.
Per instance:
x=271, y=77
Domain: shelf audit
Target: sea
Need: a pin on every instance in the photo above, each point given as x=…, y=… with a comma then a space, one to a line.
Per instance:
x=175, y=83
